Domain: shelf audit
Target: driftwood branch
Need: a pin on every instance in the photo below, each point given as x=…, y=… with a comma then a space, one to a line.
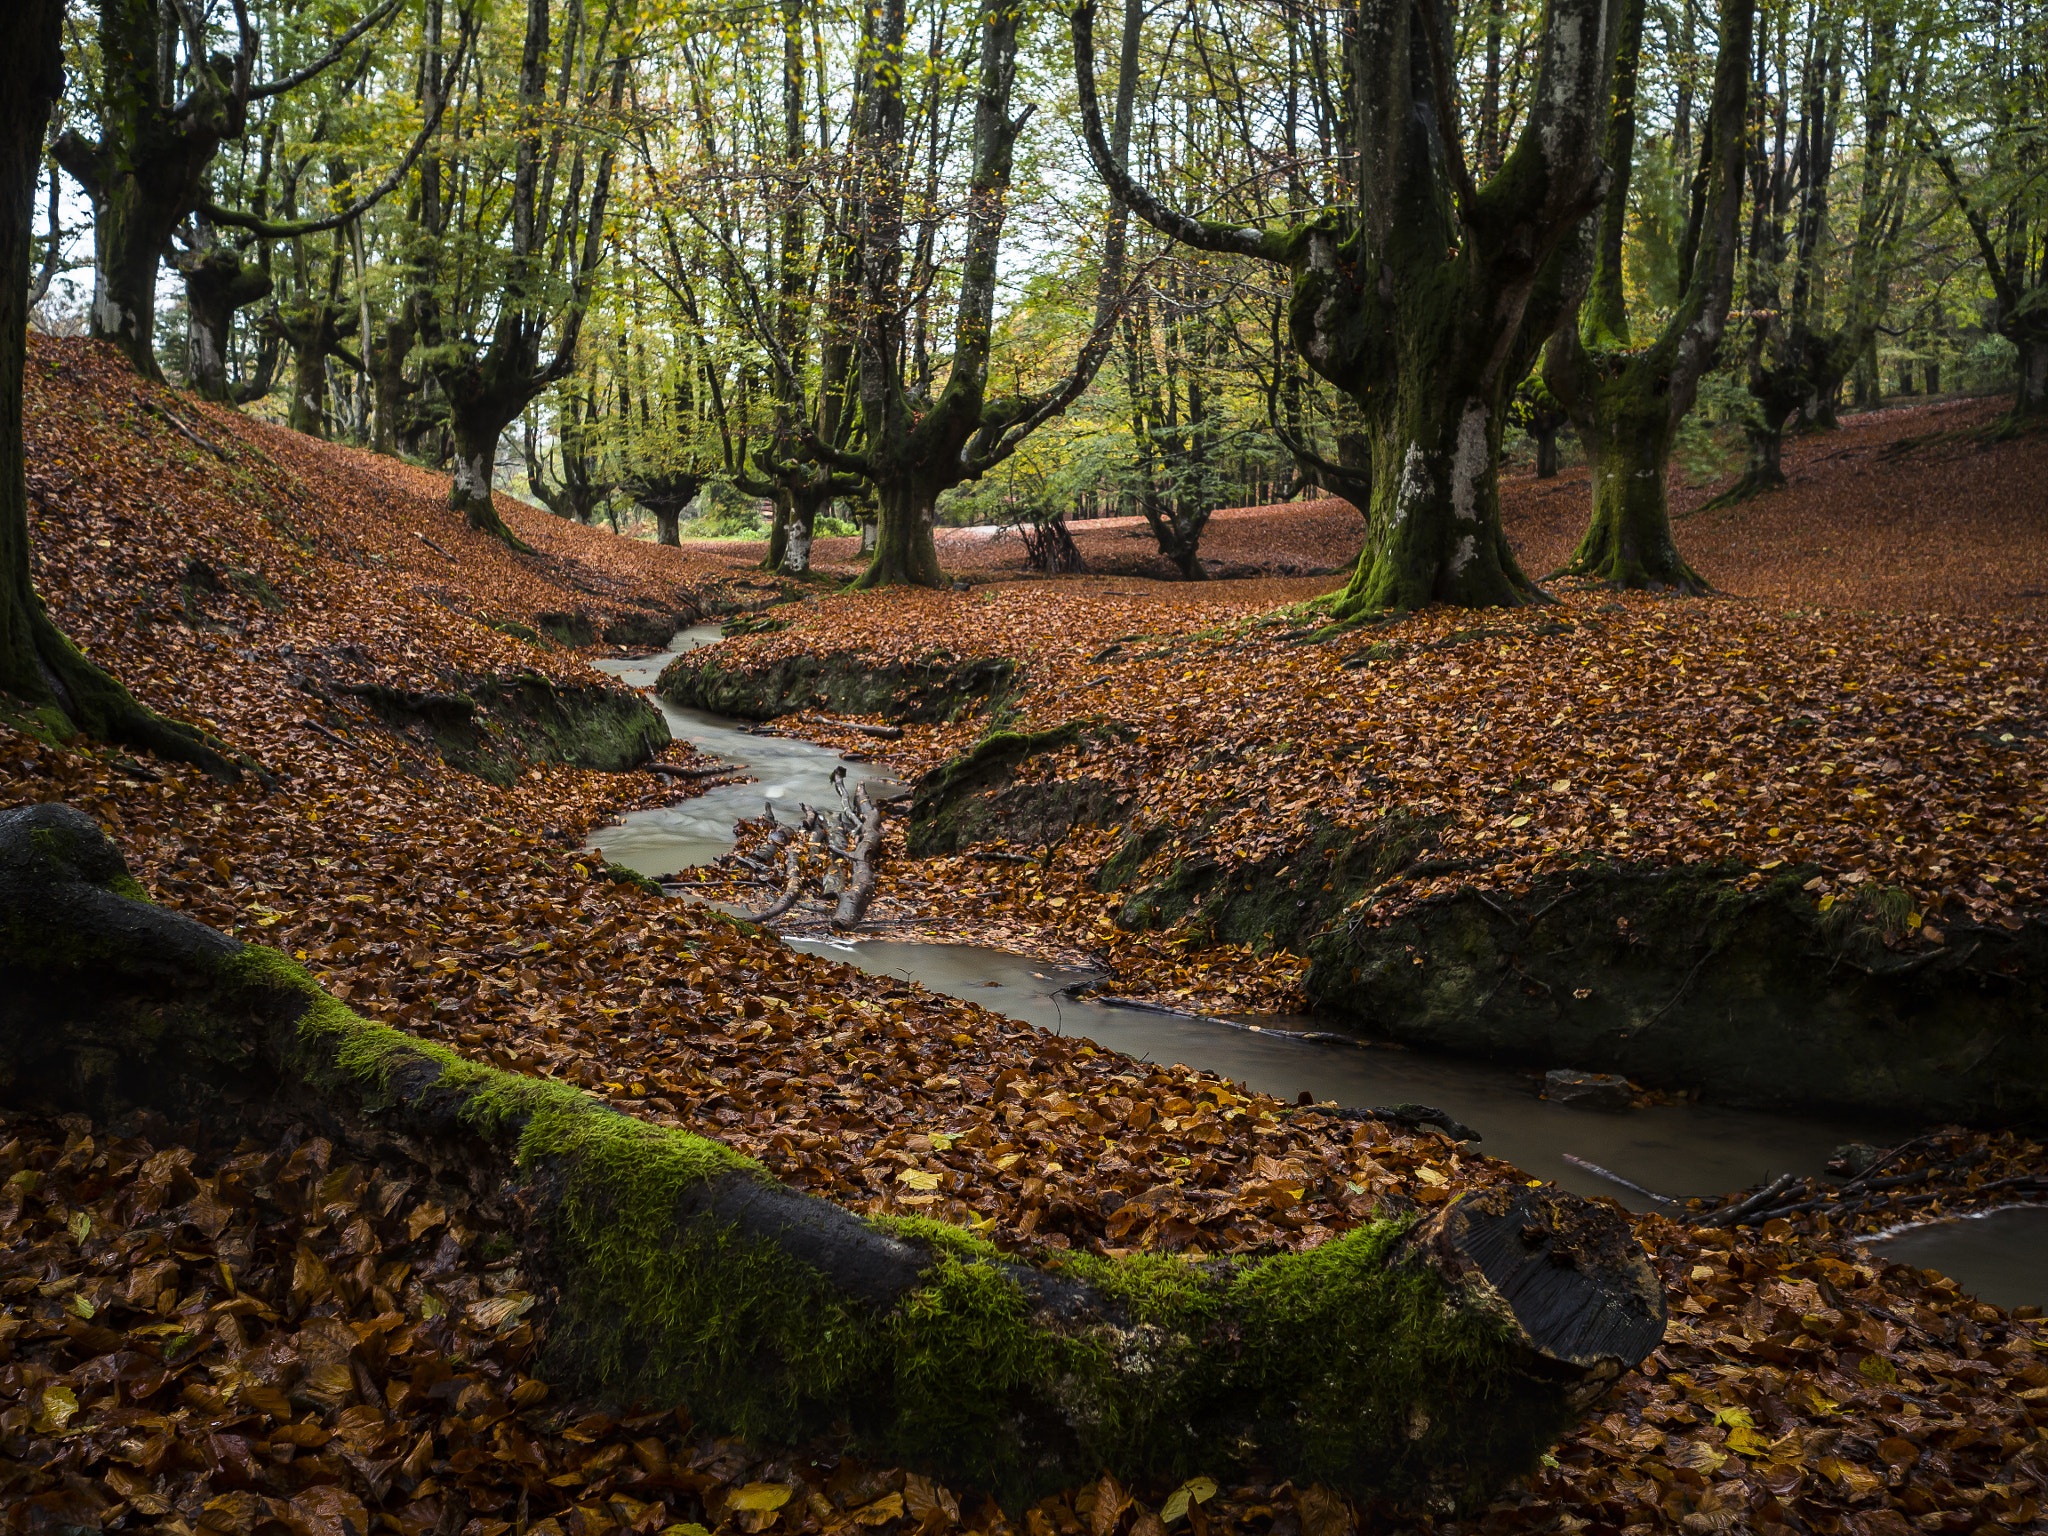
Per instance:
x=860, y=889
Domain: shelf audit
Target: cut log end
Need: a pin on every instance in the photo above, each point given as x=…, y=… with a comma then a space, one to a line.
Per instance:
x=1569, y=1272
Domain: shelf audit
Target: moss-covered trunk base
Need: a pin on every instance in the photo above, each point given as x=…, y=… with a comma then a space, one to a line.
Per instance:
x=905, y=555
x=1424, y=1360
x=470, y=491
x=1628, y=543
x=1434, y=529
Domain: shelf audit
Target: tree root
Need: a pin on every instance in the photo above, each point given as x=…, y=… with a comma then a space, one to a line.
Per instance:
x=98, y=706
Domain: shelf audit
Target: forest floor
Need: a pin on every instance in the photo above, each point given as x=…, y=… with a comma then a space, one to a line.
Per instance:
x=206, y=1337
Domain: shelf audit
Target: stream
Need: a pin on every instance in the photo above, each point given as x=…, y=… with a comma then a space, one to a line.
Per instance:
x=1680, y=1149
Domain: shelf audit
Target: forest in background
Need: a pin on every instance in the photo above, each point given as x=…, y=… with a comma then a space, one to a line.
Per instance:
x=640, y=259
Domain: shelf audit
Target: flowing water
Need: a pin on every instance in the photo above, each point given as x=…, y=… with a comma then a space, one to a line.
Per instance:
x=1682, y=1149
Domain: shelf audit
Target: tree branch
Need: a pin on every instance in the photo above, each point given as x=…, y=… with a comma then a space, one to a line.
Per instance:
x=320, y=65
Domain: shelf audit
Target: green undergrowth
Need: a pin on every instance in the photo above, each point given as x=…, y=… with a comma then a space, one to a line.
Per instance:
x=686, y=1276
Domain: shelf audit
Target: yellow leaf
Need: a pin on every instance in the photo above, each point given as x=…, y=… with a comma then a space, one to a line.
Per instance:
x=1196, y=1490
x=1430, y=1176
x=881, y=1512
x=917, y=1178
x=54, y=1411
x=760, y=1496
x=1750, y=1442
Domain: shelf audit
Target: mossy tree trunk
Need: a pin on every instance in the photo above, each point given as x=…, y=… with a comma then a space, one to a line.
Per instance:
x=218, y=281
x=476, y=425
x=1628, y=542
x=905, y=554
x=39, y=667
x=1418, y=1359
x=1627, y=401
x=910, y=456
x=1430, y=295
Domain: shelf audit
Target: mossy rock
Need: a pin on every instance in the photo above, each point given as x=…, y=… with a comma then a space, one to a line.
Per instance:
x=1415, y=1360
x=844, y=682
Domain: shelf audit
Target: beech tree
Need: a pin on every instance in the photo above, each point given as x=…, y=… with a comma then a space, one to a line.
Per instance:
x=1627, y=395
x=911, y=452
x=1816, y=283
x=166, y=103
x=1424, y=294
x=483, y=338
x=40, y=670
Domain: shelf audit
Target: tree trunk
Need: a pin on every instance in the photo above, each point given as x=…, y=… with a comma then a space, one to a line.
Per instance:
x=796, y=553
x=665, y=527
x=38, y=666
x=130, y=229
x=1628, y=543
x=904, y=551
x=1433, y=530
x=2030, y=401
x=1546, y=451
x=476, y=458
x=387, y=378
x=309, y=378
x=778, y=529
x=216, y=285
x=1422, y=1360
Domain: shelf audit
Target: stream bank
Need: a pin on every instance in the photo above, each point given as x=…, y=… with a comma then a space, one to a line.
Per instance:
x=1681, y=1149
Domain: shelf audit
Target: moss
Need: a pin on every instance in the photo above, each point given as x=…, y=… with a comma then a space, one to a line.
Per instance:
x=618, y=874
x=44, y=723
x=686, y=1275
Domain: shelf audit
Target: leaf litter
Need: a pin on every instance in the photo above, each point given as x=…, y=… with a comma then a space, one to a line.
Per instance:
x=263, y=1338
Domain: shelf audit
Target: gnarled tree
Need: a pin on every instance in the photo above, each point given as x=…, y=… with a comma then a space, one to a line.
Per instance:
x=911, y=451
x=1425, y=295
x=1628, y=398
x=167, y=102
x=484, y=339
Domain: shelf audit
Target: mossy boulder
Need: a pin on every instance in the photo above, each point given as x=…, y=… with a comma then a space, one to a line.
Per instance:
x=1415, y=1359
x=721, y=679
x=494, y=727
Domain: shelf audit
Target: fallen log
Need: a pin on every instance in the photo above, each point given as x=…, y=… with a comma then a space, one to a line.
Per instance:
x=1416, y=1358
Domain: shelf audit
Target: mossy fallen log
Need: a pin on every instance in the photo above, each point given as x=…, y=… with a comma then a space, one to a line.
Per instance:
x=1423, y=1359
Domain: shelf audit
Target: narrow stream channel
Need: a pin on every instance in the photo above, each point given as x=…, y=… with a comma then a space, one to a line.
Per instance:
x=1688, y=1149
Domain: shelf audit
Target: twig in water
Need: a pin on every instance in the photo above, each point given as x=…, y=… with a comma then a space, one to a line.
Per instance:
x=1615, y=1178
